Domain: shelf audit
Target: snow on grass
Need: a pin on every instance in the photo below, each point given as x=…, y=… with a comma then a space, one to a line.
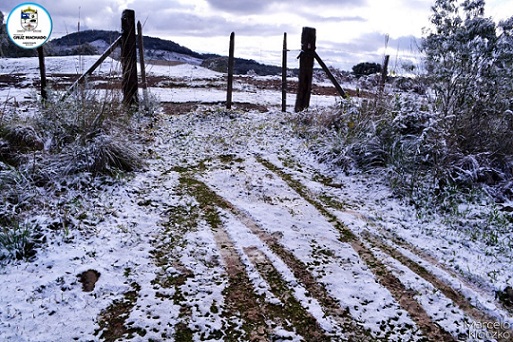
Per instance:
x=441, y=309
x=488, y=266
x=43, y=301
x=480, y=297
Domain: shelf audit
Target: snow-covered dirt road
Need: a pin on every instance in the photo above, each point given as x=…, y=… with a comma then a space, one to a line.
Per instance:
x=260, y=244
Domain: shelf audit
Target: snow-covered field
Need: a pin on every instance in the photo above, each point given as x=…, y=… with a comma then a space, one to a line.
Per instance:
x=234, y=232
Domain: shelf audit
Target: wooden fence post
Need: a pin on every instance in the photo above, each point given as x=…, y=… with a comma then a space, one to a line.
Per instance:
x=384, y=73
x=230, y=71
x=42, y=71
x=284, y=75
x=129, y=59
x=144, y=84
x=306, y=62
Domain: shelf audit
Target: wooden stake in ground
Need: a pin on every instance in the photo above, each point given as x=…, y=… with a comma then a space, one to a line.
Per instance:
x=284, y=75
x=384, y=73
x=144, y=84
x=129, y=59
x=324, y=67
x=93, y=67
x=42, y=71
x=231, y=63
x=306, y=62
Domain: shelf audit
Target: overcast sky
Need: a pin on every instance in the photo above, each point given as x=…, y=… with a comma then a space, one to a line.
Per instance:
x=348, y=31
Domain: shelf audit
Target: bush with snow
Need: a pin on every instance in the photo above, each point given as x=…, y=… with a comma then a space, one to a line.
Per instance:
x=402, y=140
x=469, y=63
x=47, y=155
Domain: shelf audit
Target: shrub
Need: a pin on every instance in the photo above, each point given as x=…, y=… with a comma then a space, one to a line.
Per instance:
x=469, y=60
x=99, y=154
x=87, y=135
x=366, y=69
x=403, y=138
x=58, y=150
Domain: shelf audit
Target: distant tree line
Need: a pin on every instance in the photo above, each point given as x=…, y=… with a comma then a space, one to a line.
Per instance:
x=366, y=69
x=242, y=66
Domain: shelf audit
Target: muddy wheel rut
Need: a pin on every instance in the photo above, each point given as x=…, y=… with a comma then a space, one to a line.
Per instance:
x=235, y=269
x=300, y=270
x=330, y=306
x=458, y=298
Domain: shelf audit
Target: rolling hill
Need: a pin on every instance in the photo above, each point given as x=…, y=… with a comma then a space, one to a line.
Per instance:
x=94, y=42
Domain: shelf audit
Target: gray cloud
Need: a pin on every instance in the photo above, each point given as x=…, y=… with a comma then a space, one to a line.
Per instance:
x=371, y=42
x=368, y=48
x=416, y=4
x=246, y=6
x=104, y=15
x=190, y=24
x=259, y=6
x=318, y=18
x=179, y=19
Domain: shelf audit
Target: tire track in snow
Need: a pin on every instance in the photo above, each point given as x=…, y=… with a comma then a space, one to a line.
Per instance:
x=304, y=322
x=239, y=296
x=240, y=301
x=404, y=297
x=299, y=269
x=354, y=331
x=483, y=318
x=459, y=299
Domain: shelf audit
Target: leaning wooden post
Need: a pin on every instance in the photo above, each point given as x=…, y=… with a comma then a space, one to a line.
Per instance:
x=144, y=84
x=306, y=62
x=324, y=67
x=93, y=67
x=129, y=59
x=284, y=75
x=230, y=71
x=42, y=71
